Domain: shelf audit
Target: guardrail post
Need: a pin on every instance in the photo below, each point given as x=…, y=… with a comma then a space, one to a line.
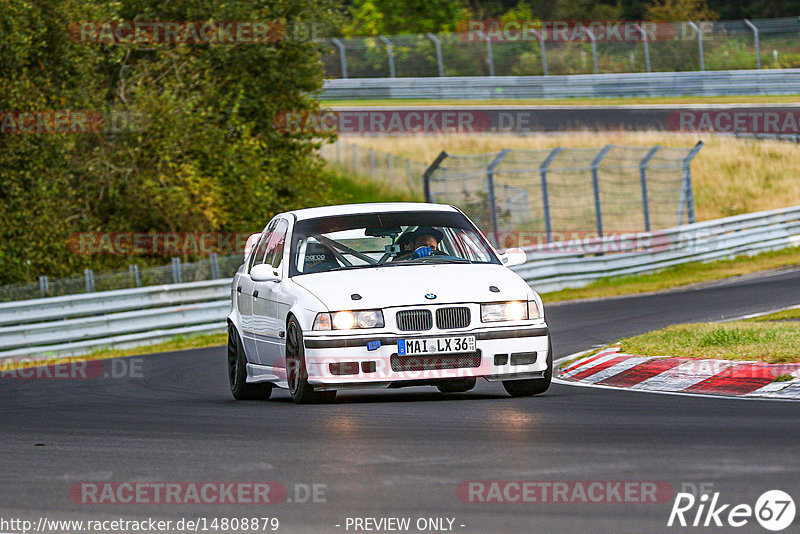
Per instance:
x=545, y=196
x=542, y=50
x=699, y=44
x=646, y=46
x=492, y=198
x=134, y=270
x=389, y=53
x=643, y=179
x=755, y=36
x=44, y=286
x=214, y=261
x=342, y=56
x=598, y=209
x=88, y=279
x=687, y=195
x=592, y=38
x=426, y=176
x=176, y=270
x=438, y=45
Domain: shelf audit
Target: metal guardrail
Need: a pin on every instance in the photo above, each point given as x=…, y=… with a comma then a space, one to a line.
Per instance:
x=78, y=324
x=557, y=266
x=655, y=84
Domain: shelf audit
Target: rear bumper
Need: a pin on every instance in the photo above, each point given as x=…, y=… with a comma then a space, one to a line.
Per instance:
x=502, y=354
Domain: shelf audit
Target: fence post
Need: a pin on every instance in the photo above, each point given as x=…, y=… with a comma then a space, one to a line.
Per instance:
x=699, y=44
x=438, y=45
x=44, y=286
x=134, y=270
x=176, y=270
x=342, y=56
x=687, y=195
x=542, y=50
x=643, y=178
x=592, y=38
x=489, y=53
x=598, y=208
x=88, y=279
x=389, y=53
x=426, y=176
x=545, y=196
x=755, y=36
x=646, y=46
x=212, y=258
x=492, y=197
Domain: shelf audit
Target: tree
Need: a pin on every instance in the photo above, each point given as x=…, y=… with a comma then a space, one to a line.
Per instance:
x=678, y=10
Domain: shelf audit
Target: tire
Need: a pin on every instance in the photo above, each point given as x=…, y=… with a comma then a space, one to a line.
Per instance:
x=533, y=386
x=237, y=371
x=458, y=385
x=296, y=373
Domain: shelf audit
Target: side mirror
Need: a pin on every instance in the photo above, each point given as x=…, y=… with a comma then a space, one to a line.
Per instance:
x=264, y=273
x=249, y=244
x=513, y=257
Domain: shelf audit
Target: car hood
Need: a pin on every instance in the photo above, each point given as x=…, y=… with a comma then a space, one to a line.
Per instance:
x=382, y=287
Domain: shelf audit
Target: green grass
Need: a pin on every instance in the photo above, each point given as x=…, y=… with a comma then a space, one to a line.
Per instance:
x=679, y=275
x=767, y=341
x=746, y=99
x=785, y=315
x=357, y=190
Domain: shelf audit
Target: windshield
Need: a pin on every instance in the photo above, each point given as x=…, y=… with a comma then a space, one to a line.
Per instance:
x=384, y=240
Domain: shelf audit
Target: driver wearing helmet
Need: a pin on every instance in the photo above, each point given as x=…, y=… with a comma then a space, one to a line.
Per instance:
x=424, y=242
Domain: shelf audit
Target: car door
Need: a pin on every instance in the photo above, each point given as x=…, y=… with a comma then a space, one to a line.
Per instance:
x=245, y=288
x=267, y=320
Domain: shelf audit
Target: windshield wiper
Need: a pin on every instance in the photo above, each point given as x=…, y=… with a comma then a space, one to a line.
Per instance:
x=434, y=259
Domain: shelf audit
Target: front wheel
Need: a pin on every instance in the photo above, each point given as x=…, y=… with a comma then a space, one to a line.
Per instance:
x=237, y=371
x=296, y=373
x=533, y=386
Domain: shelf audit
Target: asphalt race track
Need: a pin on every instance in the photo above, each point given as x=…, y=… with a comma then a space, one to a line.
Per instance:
x=403, y=453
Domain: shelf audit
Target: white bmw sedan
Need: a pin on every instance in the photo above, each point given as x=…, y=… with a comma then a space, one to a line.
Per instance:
x=382, y=295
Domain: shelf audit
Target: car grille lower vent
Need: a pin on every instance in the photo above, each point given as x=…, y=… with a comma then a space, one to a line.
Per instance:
x=435, y=361
x=414, y=320
x=447, y=318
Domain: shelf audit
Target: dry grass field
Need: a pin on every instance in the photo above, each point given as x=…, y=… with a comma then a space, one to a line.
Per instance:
x=730, y=175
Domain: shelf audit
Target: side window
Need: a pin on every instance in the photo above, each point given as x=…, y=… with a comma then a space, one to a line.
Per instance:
x=257, y=256
x=275, y=245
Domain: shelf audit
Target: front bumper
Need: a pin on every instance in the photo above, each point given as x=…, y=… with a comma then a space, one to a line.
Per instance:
x=502, y=353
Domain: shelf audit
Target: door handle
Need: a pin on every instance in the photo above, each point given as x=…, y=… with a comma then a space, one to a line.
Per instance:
x=238, y=289
x=255, y=294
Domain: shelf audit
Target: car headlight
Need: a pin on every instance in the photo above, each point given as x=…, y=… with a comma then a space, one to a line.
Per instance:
x=348, y=320
x=516, y=310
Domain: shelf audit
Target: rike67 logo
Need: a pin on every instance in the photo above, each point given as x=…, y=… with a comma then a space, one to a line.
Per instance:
x=774, y=510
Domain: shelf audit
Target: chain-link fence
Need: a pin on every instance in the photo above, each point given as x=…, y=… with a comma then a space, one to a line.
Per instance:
x=177, y=272
x=611, y=189
x=667, y=47
x=402, y=174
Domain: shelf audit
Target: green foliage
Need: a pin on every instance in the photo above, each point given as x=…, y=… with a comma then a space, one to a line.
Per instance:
x=390, y=17
x=205, y=156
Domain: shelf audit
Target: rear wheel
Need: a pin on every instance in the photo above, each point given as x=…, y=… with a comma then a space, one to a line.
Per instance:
x=296, y=373
x=533, y=386
x=237, y=371
x=458, y=385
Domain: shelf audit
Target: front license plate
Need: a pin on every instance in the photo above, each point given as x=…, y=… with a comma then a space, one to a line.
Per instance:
x=436, y=345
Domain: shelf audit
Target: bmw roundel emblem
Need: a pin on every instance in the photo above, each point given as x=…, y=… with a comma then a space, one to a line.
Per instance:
x=430, y=296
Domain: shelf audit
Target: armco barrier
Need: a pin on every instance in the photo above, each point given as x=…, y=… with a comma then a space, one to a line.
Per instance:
x=559, y=265
x=652, y=84
x=78, y=324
